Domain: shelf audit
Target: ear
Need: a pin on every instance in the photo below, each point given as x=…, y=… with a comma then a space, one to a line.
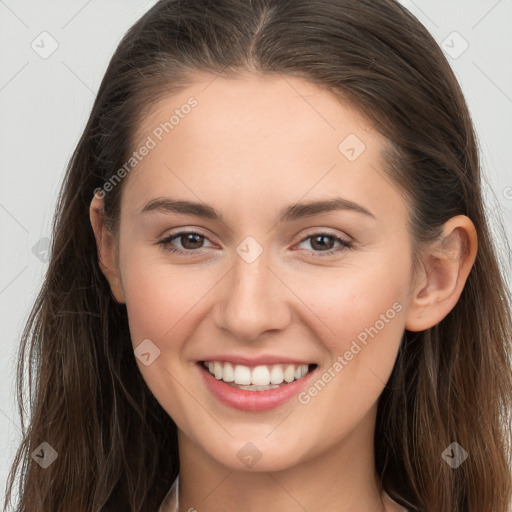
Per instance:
x=106, y=246
x=446, y=266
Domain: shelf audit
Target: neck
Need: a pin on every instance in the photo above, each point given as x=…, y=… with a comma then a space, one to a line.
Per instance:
x=341, y=478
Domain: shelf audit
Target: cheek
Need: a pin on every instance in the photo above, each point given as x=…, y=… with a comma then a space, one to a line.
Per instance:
x=161, y=305
x=159, y=299
x=363, y=320
x=370, y=310
x=365, y=330
x=359, y=303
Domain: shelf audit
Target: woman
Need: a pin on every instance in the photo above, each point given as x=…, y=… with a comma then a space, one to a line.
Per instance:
x=259, y=367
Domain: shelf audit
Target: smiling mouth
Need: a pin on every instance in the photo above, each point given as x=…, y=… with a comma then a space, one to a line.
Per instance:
x=257, y=378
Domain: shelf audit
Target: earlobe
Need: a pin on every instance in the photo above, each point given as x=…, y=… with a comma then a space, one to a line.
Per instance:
x=106, y=247
x=446, y=267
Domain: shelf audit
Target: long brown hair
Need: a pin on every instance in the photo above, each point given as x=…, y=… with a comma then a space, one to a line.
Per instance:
x=117, y=447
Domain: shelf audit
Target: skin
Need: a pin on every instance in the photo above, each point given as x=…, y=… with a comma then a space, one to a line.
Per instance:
x=252, y=146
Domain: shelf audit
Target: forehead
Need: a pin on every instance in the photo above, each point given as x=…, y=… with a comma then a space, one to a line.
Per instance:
x=275, y=135
x=271, y=101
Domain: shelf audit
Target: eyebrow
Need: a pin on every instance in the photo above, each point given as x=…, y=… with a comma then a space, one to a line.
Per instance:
x=289, y=213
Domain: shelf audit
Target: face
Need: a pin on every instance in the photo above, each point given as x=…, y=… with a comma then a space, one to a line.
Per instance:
x=296, y=258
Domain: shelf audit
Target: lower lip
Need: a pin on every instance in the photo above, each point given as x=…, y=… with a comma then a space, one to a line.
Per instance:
x=254, y=401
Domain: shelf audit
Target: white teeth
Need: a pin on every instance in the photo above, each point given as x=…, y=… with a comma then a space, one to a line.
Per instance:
x=276, y=375
x=257, y=388
x=242, y=375
x=217, y=370
x=259, y=378
x=228, y=374
x=289, y=373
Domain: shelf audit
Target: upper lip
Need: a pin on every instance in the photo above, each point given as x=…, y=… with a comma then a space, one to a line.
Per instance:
x=255, y=361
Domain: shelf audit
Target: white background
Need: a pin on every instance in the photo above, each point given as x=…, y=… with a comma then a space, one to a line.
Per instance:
x=44, y=104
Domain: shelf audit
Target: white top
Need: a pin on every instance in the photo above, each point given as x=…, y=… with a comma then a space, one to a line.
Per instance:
x=171, y=500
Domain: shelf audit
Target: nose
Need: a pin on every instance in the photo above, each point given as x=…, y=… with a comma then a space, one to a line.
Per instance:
x=254, y=299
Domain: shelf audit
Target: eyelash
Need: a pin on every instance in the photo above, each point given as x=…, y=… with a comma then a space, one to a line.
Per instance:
x=167, y=246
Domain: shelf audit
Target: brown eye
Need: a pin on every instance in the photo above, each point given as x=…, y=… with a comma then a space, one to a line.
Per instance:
x=323, y=243
x=190, y=241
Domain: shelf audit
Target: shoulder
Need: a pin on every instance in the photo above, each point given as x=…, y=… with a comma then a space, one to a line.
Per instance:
x=170, y=502
x=391, y=505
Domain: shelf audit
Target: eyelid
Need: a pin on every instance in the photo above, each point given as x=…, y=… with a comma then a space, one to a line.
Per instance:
x=182, y=232
x=345, y=241
x=327, y=231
